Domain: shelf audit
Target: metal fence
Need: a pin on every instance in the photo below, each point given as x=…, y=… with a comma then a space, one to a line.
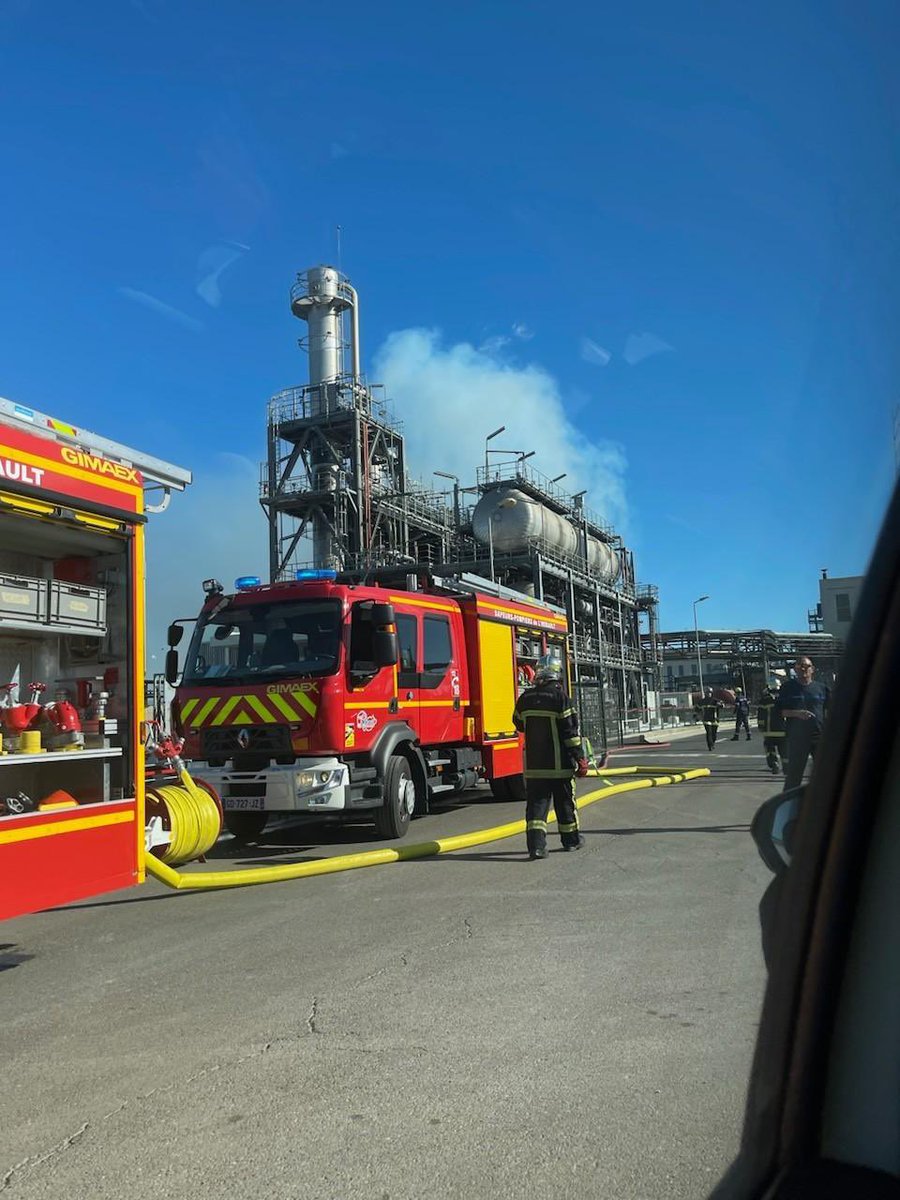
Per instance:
x=599, y=715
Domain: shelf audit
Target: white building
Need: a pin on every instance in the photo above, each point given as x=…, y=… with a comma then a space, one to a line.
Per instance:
x=836, y=609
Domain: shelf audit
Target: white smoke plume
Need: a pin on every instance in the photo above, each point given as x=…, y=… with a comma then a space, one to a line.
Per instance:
x=450, y=397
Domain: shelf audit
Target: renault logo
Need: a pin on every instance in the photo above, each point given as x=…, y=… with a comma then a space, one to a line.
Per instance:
x=243, y=739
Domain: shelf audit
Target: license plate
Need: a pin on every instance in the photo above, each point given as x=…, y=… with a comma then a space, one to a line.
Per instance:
x=239, y=803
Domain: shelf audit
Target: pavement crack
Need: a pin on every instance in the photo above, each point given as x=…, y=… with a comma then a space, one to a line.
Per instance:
x=313, y=1014
x=38, y=1160
x=467, y=924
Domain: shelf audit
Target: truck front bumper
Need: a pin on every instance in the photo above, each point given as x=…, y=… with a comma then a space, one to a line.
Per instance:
x=309, y=785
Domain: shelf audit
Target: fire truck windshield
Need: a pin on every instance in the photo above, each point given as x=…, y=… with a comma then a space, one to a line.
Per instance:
x=243, y=643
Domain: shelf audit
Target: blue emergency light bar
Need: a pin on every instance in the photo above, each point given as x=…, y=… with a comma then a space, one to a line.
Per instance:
x=309, y=573
x=246, y=581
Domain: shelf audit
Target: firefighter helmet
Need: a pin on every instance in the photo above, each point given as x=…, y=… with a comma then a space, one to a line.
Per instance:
x=549, y=669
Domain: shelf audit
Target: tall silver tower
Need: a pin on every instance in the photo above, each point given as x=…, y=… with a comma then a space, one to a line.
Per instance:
x=335, y=472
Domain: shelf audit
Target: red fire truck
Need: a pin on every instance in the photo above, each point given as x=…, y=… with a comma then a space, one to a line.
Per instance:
x=340, y=694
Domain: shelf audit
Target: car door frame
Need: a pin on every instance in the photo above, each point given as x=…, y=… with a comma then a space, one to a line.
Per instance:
x=818, y=902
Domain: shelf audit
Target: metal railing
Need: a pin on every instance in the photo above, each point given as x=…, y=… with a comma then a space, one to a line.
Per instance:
x=343, y=394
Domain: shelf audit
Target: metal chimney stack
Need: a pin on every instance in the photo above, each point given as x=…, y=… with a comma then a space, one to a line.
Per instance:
x=320, y=297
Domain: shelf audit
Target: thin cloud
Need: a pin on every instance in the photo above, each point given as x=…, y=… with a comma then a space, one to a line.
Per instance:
x=521, y=331
x=161, y=308
x=450, y=396
x=639, y=346
x=683, y=524
x=212, y=547
x=212, y=264
x=592, y=352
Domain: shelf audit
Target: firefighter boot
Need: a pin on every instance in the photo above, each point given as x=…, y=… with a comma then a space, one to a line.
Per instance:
x=537, y=843
x=572, y=841
x=772, y=762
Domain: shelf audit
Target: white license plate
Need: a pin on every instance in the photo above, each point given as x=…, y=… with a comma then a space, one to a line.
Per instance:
x=240, y=803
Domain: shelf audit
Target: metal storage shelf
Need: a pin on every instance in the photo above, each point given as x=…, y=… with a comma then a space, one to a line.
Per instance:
x=41, y=630
x=60, y=755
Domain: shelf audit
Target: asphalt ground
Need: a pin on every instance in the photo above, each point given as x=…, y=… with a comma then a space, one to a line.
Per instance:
x=471, y=1025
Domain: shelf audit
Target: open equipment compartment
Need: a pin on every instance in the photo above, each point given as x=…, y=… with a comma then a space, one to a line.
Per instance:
x=72, y=639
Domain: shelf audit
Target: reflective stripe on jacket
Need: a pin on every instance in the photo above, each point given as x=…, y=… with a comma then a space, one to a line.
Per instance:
x=768, y=719
x=552, y=744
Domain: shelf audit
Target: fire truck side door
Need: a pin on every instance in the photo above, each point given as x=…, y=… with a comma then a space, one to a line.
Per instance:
x=442, y=678
x=409, y=637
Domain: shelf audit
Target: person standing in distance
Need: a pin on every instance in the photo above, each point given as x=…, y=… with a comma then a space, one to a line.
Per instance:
x=708, y=711
x=802, y=703
x=771, y=726
x=553, y=757
x=741, y=714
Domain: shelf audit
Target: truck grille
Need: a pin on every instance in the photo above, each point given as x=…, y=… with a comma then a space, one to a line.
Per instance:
x=268, y=740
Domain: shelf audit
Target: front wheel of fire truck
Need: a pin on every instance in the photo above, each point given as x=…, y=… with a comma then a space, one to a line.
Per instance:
x=392, y=819
x=245, y=826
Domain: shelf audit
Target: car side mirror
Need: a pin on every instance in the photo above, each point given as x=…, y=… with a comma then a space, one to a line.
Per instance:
x=175, y=634
x=773, y=828
x=172, y=666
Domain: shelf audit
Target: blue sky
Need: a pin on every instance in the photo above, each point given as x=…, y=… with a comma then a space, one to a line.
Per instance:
x=661, y=241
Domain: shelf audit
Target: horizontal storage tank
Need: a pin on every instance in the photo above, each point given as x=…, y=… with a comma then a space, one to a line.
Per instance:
x=514, y=520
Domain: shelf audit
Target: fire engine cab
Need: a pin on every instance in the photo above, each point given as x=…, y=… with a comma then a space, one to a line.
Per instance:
x=356, y=694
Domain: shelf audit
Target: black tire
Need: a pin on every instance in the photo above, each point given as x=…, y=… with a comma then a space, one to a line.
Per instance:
x=500, y=788
x=392, y=819
x=245, y=826
x=515, y=787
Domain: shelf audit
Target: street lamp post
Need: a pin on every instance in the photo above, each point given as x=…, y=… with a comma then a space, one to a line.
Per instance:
x=456, y=505
x=506, y=502
x=699, y=600
x=489, y=438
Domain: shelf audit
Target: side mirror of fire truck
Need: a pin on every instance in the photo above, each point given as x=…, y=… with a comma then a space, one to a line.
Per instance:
x=385, y=646
x=175, y=634
x=172, y=666
x=385, y=649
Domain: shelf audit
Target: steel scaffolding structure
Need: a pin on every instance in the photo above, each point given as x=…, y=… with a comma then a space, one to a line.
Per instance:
x=749, y=656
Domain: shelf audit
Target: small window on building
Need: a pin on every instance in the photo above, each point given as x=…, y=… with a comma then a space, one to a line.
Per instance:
x=680, y=669
x=842, y=606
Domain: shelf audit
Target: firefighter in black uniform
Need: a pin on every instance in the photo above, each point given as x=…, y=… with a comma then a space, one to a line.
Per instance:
x=708, y=711
x=770, y=723
x=553, y=757
x=741, y=714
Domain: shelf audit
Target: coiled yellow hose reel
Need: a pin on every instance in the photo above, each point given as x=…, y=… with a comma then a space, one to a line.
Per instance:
x=186, y=817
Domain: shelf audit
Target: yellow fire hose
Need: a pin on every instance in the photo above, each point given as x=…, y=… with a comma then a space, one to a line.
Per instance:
x=373, y=858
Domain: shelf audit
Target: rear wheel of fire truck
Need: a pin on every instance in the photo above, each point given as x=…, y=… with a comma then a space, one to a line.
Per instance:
x=508, y=787
x=245, y=826
x=500, y=788
x=392, y=819
x=515, y=787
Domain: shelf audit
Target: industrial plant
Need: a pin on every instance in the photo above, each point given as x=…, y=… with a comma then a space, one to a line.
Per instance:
x=338, y=493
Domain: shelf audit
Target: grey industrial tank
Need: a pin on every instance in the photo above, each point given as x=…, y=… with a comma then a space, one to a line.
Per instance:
x=512, y=520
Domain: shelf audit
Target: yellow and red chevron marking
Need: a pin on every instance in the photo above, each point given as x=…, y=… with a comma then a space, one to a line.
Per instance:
x=248, y=709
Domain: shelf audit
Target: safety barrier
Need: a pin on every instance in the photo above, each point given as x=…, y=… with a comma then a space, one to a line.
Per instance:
x=646, y=777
